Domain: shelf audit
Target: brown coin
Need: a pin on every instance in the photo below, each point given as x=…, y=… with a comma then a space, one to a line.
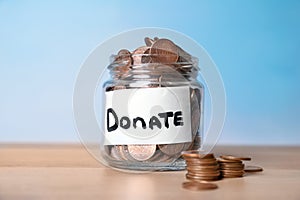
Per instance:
x=203, y=173
x=202, y=167
x=114, y=153
x=250, y=168
x=207, y=178
x=124, y=152
x=138, y=54
x=198, y=186
x=221, y=160
x=230, y=157
x=146, y=57
x=119, y=87
x=164, y=51
x=183, y=55
x=171, y=149
x=142, y=152
x=120, y=153
x=232, y=171
x=196, y=154
x=124, y=60
x=232, y=168
x=195, y=112
x=232, y=165
x=201, y=162
x=232, y=176
x=148, y=41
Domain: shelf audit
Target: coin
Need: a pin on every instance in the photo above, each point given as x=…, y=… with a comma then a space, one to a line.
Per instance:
x=114, y=153
x=148, y=41
x=164, y=51
x=231, y=176
x=206, y=178
x=232, y=168
x=138, y=54
x=250, y=168
x=142, y=152
x=201, y=161
x=197, y=186
x=196, y=154
x=204, y=173
x=228, y=161
x=230, y=157
x=195, y=112
x=119, y=87
x=202, y=167
x=183, y=55
x=146, y=57
x=124, y=61
x=123, y=152
x=228, y=171
x=171, y=149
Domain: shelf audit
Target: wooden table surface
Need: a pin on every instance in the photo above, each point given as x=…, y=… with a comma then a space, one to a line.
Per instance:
x=69, y=172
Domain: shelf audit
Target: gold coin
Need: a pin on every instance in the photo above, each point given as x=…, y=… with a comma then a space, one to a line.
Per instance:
x=250, y=168
x=198, y=186
x=142, y=152
x=230, y=157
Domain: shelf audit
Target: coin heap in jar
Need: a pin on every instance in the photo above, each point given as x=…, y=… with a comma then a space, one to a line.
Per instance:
x=166, y=65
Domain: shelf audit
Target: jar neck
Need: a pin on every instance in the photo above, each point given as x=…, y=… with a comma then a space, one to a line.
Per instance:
x=155, y=73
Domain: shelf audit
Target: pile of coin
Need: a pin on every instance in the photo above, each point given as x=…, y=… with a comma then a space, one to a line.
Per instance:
x=205, y=167
x=159, y=63
x=202, y=167
x=160, y=60
x=232, y=166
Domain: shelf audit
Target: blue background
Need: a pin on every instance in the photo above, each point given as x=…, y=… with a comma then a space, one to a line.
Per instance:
x=255, y=44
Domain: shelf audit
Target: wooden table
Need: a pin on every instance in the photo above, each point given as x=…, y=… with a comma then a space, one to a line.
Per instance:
x=69, y=172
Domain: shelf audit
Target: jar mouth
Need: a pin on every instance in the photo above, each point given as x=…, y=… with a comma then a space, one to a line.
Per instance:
x=151, y=61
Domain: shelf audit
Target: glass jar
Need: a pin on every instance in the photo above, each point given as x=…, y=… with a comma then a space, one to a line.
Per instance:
x=153, y=108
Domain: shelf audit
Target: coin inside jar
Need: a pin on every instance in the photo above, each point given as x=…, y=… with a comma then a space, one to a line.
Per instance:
x=171, y=149
x=137, y=55
x=164, y=51
x=160, y=64
x=142, y=152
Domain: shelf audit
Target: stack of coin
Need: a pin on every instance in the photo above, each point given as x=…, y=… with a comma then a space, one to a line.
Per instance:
x=232, y=166
x=201, y=167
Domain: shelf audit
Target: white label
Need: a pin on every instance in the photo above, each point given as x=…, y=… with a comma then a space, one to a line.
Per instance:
x=148, y=116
